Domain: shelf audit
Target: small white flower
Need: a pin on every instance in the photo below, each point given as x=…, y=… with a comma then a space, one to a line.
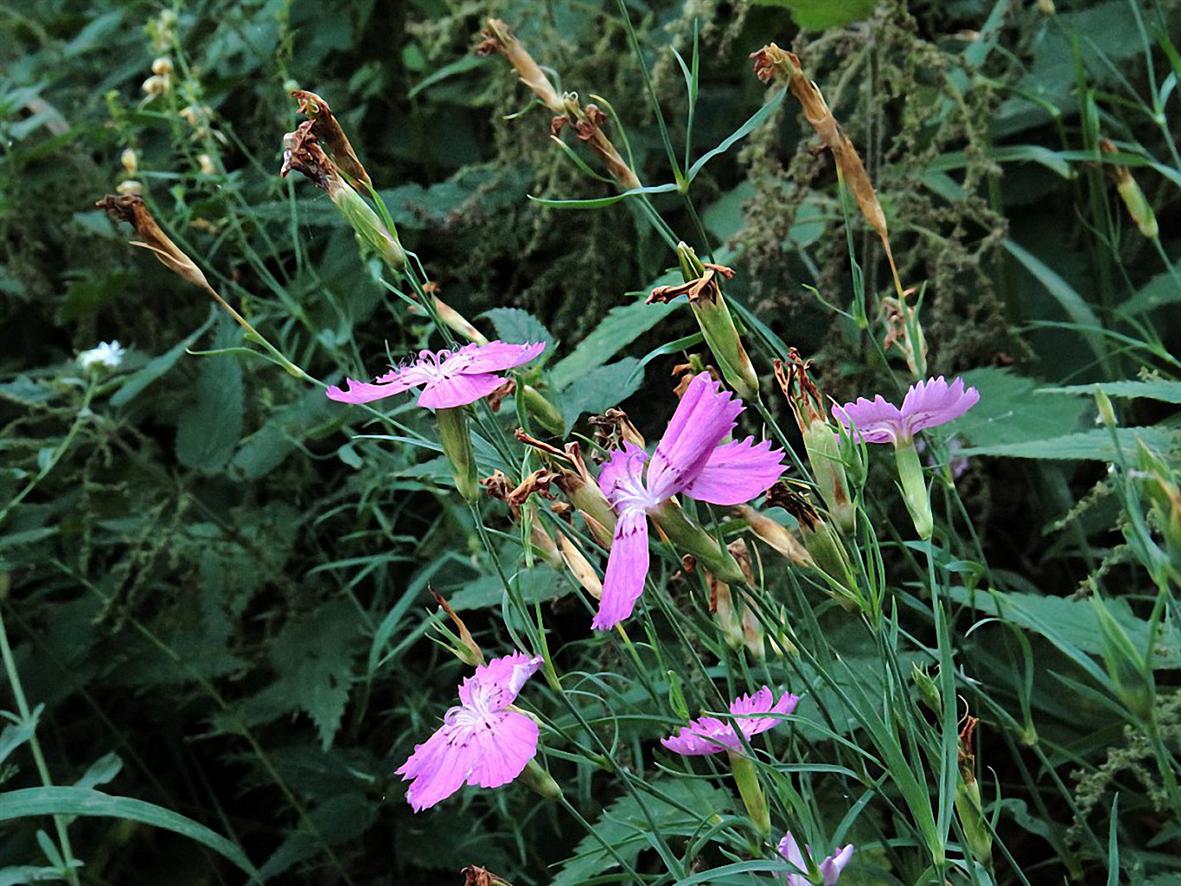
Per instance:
x=108, y=354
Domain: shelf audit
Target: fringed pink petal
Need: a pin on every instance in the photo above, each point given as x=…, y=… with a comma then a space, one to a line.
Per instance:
x=459, y=390
x=627, y=568
x=875, y=421
x=705, y=415
x=365, y=392
x=492, y=357
x=495, y=685
x=503, y=751
x=735, y=473
x=935, y=402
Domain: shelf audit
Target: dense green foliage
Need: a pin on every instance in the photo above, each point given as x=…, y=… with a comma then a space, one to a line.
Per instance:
x=216, y=584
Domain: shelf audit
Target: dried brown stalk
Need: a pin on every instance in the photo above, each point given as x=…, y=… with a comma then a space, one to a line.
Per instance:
x=772, y=63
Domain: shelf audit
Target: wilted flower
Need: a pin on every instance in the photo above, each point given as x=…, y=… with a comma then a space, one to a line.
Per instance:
x=130, y=160
x=928, y=404
x=711, y=735
x=108, y=354
x=447, y=378
x=482, y=741
x=691, y=459
x=830, y=869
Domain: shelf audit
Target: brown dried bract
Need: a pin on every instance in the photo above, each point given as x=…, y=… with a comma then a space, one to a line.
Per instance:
x=131, y=208
x=497, y=37
x=705, y=286
x=303, y=154
x=498, y=396
x=329, y=132
x=465, y=636
x=795, y=503
x=478, y=876
x=801, y=392
x=613, y=428
x=537, y=482
x=770, y=63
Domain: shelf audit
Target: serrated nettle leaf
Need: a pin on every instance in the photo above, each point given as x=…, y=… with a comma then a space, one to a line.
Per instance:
x=159, y=366
x=1015, y=409
x=1157, y=389
x=313, y=656
x=600, y=389
x=519, y=327
x=211, y=424
x=625, y=827
x=1118, y=445
x=621, y=326
x=537, y=585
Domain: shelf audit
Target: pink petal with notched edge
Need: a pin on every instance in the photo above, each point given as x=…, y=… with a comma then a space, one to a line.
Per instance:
x=365, y=392
x=831, y=867
x=495, y=685
x=762, y=702
x=710, y=735
x=705, y=415
x=492, y=357
x=623, y=472
x=875, y=421
x=702, y=737
x=471, y=747
x=735, y=473
x=439, y=766
x=446, y=393
x=504, y=750
x=790, y=850
x=627, y=567
x=935, y=402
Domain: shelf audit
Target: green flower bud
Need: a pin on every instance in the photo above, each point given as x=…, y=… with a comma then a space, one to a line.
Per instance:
x=1126, y=665
x=691, y=538
x=457, y=446
x=539, y=781
x=746, y=776
x=914, y=487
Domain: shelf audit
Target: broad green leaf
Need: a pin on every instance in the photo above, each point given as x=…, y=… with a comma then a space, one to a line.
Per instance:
x=1163, y=289
x=1096, y=445
x=211, y=425
x=625, y=827
x=537, y=585
x=622, y=325
x=1158, y=389
x=600, y=389
x=1013, y=409
x=158, y=366
x=819, y=14
x=1072, y=622
x=32, y=802
x=519, y=326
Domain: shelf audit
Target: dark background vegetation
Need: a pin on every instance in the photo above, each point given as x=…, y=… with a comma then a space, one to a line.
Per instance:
x=217, y=584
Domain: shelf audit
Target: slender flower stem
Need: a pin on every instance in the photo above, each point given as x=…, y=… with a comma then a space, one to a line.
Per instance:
x=26, y=714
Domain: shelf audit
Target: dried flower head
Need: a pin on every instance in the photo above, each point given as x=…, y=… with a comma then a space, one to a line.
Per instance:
x=328, y=131
x=771, y=63
x=497, y=37
x=131, y=208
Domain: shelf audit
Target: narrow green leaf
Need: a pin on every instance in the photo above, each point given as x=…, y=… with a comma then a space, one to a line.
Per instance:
x=31, y=802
